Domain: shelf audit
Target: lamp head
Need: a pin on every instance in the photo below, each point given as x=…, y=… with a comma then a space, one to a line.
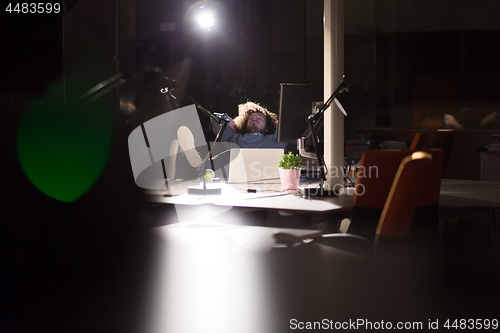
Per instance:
x=205, y=19
x=205, y=15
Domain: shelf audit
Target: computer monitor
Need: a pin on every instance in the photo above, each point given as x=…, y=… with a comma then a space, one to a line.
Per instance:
x=297, y=102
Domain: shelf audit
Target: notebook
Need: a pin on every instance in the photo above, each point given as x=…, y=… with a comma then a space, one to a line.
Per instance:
x=254, y=164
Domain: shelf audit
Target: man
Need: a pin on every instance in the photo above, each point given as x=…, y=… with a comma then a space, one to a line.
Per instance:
x=254, y=127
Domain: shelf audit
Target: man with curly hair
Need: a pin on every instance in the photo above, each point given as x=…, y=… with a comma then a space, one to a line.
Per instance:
x=254, y=127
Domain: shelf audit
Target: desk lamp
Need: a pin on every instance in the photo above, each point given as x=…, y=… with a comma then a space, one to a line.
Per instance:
x=220, y=118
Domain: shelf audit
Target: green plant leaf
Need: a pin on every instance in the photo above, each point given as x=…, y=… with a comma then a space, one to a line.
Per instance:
x=290, y=161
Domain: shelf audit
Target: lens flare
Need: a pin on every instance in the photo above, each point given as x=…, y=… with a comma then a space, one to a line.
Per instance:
x=205, y=20
x=64, y=150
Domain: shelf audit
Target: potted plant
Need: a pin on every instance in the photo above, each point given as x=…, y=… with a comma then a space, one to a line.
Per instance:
x=289, y=169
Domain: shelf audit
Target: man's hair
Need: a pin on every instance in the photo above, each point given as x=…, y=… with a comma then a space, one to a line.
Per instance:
x=246, y=109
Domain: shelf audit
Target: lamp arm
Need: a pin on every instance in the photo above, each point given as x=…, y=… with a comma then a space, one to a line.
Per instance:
x=319, y=154
x=209, y=155
x=311, y=120
x=326, y=105
x=198, y=105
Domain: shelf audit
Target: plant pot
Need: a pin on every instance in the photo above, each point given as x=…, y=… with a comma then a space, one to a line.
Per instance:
x=290, y=179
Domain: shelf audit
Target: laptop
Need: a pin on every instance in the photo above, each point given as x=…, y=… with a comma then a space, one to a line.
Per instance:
x=254, y=164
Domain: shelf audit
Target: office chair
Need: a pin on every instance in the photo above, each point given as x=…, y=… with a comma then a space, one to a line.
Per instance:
x=444, y=141
x=418, y=141
x=425, y=231
x=394, y=226
x=375, y=177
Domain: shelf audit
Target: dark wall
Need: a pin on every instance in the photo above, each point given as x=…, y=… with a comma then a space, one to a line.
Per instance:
x=256, y=46
x=424, y=75
x=462, y=158
x=414, y=61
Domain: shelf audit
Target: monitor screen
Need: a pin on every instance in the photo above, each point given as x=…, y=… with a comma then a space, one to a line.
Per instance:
x=297, y=102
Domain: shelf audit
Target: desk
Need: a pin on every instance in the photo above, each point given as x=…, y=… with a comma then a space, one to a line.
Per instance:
x=216, y=278
x=268, y=199
x=208, y=278
x=221, y=279
x=472, y=200
x=459, y=199
x=267, y=196
x=490, y=162
x=455, y=194
x=233, y=280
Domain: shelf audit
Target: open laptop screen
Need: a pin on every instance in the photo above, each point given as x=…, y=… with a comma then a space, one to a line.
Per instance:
x=254, y=164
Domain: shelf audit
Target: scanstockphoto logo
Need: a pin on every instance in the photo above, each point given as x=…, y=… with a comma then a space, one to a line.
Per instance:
x=336, y=172
x=167, y=151
x=266, y=172
x=259, y=171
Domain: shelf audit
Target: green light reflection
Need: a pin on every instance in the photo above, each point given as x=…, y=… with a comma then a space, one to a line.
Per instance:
x=63, y=152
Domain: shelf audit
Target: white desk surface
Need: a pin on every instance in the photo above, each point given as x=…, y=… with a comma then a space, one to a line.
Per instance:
x=455, y=193
x=268, y=196
x=458, y=193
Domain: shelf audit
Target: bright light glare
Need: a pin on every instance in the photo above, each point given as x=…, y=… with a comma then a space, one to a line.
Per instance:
x=205, y=282
x=205, y=20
